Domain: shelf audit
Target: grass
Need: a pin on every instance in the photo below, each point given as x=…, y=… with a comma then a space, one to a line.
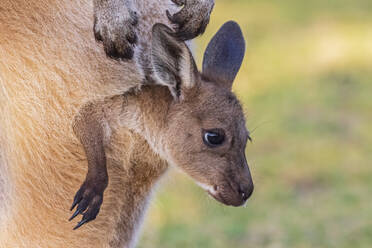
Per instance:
x=306, y=87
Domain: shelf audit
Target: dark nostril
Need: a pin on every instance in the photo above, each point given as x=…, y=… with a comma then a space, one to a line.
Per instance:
x=215, y=188
x=245, y=192
x=242, y=194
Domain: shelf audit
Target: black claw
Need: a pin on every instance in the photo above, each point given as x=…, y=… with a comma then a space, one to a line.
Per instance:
x=170, y=17
x=77, y=212
x=179, y=2
x=76, y=201
x=134, y=18
x=73, y=206
x=82, y=222
x=97, y=35
x=91, y=216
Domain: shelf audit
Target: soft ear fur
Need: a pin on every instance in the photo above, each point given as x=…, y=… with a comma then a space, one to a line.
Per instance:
x=224, y=54
x=172, y=62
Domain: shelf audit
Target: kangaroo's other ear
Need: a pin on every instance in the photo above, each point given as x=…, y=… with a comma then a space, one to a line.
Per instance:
x=172, y=61
x=224, y=54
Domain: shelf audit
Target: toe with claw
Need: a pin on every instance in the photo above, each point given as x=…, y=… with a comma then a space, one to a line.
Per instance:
x=192, y=19
x=118, y=36
x=88, y=201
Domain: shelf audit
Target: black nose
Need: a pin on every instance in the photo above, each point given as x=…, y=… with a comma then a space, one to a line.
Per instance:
x=245, y=191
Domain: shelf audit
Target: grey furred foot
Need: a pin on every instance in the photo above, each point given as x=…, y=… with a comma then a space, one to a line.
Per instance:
x=192, y=19
x=115, y=26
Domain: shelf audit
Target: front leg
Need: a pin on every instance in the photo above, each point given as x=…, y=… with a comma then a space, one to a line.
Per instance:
x=89, y=127
x=192, y=19
x=115, y=25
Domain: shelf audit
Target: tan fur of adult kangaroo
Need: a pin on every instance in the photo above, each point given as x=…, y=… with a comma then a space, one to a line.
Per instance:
x=49, y=66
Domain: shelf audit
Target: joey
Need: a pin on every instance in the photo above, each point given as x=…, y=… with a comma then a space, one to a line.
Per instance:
x=190, y=119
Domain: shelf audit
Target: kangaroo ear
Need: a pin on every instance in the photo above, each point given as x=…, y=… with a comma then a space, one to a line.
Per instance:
x=172, y=61
x=224, y=54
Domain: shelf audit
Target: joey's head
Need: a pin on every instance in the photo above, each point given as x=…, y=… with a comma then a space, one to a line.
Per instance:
x=205, y=130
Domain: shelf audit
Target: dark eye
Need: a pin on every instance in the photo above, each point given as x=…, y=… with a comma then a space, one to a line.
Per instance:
x=214, y=137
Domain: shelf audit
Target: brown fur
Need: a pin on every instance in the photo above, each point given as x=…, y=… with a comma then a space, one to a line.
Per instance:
x=50, y=65
x=172, y=121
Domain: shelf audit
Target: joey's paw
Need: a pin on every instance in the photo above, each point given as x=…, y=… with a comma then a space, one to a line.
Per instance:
x=118, y=35
x=88, y=201
x=192, y=19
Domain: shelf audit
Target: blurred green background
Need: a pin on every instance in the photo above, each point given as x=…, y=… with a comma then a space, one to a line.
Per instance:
x=307, y=91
